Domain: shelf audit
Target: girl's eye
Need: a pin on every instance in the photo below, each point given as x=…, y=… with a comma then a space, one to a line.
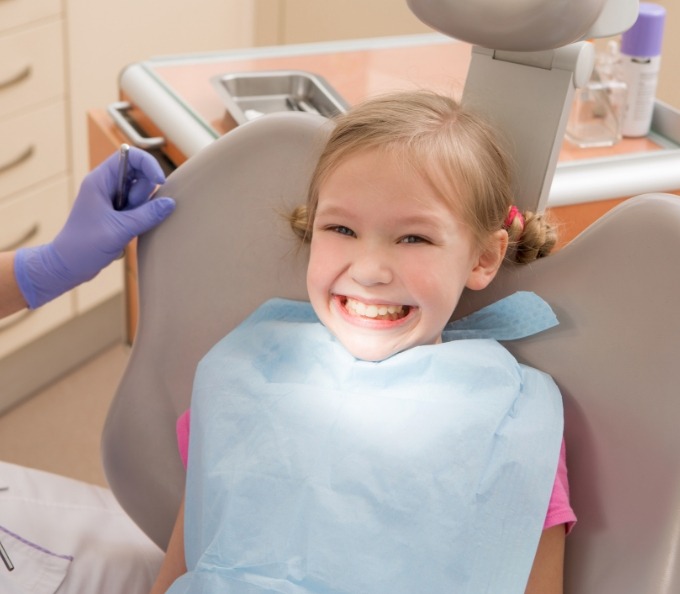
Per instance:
x=413, y=239
x=342, y=230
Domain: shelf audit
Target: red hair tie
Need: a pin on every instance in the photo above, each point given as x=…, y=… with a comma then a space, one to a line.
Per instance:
x=513, y=214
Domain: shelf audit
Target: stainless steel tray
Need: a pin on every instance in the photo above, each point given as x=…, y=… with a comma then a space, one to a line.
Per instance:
x=248, y=95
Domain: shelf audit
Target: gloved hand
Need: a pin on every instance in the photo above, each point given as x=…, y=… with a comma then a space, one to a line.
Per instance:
x=95, y=234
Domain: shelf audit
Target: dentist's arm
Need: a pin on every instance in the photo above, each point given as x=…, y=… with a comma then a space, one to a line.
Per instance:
x=11, y=299
x=94, y=235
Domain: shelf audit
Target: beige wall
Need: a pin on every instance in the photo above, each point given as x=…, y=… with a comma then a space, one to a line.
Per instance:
x=300, y=21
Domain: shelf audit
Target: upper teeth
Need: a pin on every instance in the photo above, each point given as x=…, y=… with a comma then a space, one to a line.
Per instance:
x=372, y=311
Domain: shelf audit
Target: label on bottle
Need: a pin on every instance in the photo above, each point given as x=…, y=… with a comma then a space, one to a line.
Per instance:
x=642, y=76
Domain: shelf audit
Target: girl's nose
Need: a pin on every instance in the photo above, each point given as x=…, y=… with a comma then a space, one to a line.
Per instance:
x=371, y=267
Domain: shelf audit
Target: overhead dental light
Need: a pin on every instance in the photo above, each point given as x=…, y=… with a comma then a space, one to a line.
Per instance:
x=526, y=25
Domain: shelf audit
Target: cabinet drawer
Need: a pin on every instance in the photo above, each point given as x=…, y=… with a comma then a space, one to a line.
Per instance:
x=34, y=217
x=32, y=67
x=14, y=13
x=30, y=219
x=33, y=147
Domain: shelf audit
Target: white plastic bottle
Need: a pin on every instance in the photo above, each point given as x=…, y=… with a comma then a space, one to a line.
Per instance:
x=640, y=62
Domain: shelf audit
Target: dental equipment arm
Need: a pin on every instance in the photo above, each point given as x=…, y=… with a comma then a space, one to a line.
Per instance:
x=527, y=59
x=526, y=25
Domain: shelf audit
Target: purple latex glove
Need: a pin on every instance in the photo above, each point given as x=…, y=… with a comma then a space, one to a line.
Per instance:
x=95, y=234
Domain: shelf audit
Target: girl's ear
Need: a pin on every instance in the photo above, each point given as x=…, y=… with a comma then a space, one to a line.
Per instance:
x=489, y=261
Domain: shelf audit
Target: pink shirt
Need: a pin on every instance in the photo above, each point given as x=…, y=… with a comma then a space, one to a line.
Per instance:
x=559, y=509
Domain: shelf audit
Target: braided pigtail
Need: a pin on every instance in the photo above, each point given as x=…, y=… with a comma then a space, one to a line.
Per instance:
x=530, y=235
x=300, y=224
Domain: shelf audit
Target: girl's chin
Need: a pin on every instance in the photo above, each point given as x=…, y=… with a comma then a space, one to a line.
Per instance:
x=370, y=348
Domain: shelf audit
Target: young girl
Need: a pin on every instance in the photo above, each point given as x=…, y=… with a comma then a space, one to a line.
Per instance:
x=360, y=445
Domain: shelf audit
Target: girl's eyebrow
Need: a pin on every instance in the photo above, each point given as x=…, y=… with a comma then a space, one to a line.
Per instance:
x=430, y=221
x=422, y=219
x=333, y=210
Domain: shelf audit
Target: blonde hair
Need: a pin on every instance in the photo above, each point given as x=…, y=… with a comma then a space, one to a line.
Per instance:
x=454, y=150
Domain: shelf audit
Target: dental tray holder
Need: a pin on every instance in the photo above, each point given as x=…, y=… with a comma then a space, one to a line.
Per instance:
x=249, y=95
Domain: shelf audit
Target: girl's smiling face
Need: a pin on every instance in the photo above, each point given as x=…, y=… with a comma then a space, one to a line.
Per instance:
x=389, y=259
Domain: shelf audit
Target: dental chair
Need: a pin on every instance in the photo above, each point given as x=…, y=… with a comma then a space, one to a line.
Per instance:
x=227, y=249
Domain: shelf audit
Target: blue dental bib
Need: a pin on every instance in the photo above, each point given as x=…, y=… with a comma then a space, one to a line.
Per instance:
x=313, y=472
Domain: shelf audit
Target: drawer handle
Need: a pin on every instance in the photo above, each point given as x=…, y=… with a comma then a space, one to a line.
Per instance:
x=18, y=160
x=116, y=111
x=23, y=74
x=25, y=238
x=14, y=320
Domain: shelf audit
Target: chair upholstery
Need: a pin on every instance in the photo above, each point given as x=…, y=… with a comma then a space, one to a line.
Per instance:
x=227, y=248
x=614, y=289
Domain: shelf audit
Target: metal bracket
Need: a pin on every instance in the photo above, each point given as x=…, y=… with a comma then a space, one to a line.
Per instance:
x=527, y=96
x=117, y=111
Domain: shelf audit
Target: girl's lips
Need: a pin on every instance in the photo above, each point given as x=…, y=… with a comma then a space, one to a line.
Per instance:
x=377, y=315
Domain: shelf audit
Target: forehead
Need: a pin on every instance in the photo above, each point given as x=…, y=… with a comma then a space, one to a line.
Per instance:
x=390, y=177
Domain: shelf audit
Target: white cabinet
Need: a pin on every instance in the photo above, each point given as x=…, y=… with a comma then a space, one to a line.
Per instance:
x=31, y=218
x=34, y=175
x=15, y=13
x=32, y=65
x=33, y=147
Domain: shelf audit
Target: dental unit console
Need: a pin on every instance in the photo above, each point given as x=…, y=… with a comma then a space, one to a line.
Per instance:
x=527, y=59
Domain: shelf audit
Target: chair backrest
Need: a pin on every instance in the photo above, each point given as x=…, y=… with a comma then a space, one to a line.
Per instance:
x=227, y=248
x=614, y=289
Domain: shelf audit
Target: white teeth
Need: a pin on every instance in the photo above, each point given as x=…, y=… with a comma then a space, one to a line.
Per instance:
x=391, y=312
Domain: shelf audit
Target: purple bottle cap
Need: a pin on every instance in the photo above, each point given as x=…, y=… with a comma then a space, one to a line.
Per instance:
x=643, y=39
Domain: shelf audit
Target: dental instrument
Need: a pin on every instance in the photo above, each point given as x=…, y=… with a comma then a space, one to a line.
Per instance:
x=122, y=189
x=5, y=558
